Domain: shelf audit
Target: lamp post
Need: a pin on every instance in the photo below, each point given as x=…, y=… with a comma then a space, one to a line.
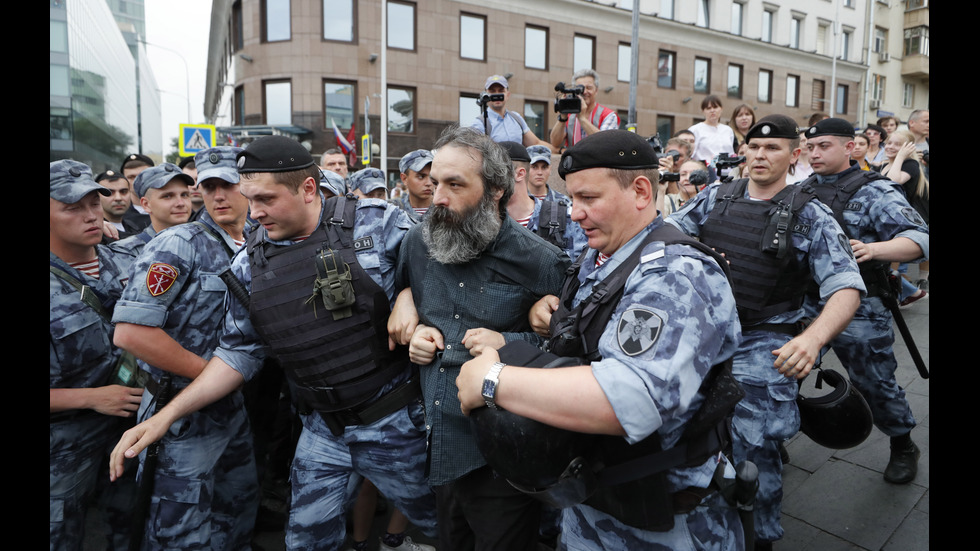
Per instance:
x=187, y=73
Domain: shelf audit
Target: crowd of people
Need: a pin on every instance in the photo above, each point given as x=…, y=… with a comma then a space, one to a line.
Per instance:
x=252, y=319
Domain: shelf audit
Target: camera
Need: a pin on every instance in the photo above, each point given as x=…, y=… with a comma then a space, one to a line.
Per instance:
x=486, y=98
x=670, y=177
x=724, y=160
x=570, y=101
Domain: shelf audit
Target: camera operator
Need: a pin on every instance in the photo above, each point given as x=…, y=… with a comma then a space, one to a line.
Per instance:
x=591, y=118
x=499, y=123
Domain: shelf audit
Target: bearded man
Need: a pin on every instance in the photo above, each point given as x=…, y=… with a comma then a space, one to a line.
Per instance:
x=474, y=273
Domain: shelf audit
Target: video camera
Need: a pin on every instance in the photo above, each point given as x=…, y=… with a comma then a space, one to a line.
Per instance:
x=724, y=162
x=570, y=101
x=486, y=98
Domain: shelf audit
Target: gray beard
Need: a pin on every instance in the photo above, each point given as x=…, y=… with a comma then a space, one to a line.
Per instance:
x=457, y=238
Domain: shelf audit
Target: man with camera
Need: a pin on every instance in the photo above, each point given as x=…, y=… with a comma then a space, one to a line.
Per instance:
x=591, y=117
x=496, y=121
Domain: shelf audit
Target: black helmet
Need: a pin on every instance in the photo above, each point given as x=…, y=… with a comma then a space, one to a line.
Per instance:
x=548, y=463
x=839, y=419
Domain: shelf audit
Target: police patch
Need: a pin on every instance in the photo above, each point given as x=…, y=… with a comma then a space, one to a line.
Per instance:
x=845, y=243
x=363, y=243
x=803, y=229
x=638, y=330
x=913, y=216
x=160, y=277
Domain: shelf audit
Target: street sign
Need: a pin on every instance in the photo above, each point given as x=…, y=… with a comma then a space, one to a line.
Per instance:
x=194, y=138
x=366, y=149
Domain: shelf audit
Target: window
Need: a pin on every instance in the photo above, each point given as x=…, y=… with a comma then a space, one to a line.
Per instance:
x=666, y=9
x=737, y=15
x=734, y=81
x=401, y=36
x=702, y=75
x=534, y=115
x=237, y=36
x=765, y=86
x=275, y=20
x=767, y=19
x=59, y=123
x=665, y=69
x=880, y=41
x=916, y=4
x=878, y=87
x=338, y=104
x=238, y=106
x=845, y=45
x=338, y=20
x=625, y=63
x=665, y=127
x=536, y=47
x=59, y=36
x=841, y=99
x=472, y=36
x=624, y=118
x=908, y=95
x=59, y=82
x=818, y=99
x=277, y=102
x=792, y=91
x=583, y=48
x=469, y=109
x=916, y=41
x=822, y=30
x=704, y=10
x=795, y=27
x=401, y=109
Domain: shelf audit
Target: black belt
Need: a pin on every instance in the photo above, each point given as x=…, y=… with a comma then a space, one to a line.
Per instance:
x=397, y=398
x=791, y=329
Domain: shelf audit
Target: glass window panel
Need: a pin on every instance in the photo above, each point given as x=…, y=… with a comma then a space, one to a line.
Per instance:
x=792, y=91
x=534, y=115
x=625, y=60
x=278, y=103
x=702, y=75
x=469, y=109
x=765, y=86
x=338, y=100
x=338, y=20
x=471, y=36
x=583, y=48
x=535, y=48
x=401, y=26
x=735, y=81
x=665, y=69
x=276, y=20
x=401, y=110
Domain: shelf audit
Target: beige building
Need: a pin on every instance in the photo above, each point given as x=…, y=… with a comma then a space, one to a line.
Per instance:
x=301, y=66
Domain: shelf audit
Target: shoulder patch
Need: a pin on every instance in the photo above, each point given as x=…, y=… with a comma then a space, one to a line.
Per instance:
x=160, y=277
x=363, y=243
x=801, y=228
x=913, y=216
x=638, y=330
x=845, y=243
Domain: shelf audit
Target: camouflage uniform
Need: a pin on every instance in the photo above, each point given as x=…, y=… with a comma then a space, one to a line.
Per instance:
x=768, y=414
x=877, y=212
x=128, y=248
x=206, y=491
x=655, y=389
x=327, y=469
x=82, y=356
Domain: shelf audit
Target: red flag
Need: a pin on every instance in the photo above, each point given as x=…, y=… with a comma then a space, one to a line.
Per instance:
x=351, y=137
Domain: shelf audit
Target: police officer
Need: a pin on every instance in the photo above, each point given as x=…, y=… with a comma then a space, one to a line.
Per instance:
x=414, y=172
x=882, y=228
x=163, y=191
x=332, y=184
x=359, y=402
x=778, y=238
x=549, y=219
x=539, y=172
x=90, y=406
x=135, y=218
x=169, y=319
x=369, y=183
x=645, y=356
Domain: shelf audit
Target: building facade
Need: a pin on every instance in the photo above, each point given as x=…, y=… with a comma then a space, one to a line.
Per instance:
x=301, y=67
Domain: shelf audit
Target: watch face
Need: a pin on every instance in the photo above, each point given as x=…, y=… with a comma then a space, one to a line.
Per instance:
x=488, y=388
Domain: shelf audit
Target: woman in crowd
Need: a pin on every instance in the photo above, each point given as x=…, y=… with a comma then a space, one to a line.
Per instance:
x=876, y=151
x=902, y=165
x=743, y=117
x=712, y=138
x=860, y=152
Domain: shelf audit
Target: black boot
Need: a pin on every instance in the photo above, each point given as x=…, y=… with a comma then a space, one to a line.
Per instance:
x=904, y=461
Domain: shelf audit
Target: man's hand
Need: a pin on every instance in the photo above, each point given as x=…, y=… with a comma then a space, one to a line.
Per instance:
x=403, y=319
x=426, y=341
x=863, y=252
x=117, y=400
x=797, y=357
x=479, y=339
x=134, y=441
x=540, y=314
x=469, y=382
x=110, y=230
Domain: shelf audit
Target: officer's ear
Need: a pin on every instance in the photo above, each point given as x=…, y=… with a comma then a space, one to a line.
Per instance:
x=310, y=189
x=646, y=193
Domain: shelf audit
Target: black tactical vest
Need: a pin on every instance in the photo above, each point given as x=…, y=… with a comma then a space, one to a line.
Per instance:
x=332, y=364
x=755, y=238
x=633, y=482
x=551, y=222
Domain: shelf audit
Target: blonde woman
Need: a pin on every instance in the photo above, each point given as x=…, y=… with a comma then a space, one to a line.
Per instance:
x=902, y=165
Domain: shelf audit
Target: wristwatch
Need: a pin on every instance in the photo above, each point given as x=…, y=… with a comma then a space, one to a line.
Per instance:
x=490, y=383
x=563, y=120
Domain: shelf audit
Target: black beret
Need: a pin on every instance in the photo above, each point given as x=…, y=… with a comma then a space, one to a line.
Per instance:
x=516, y=151
x=831, y=127
x=109, y=175
x=274, y=154
x=774, y=126
x=620, y=149
x=184, y=161
x=136, y=157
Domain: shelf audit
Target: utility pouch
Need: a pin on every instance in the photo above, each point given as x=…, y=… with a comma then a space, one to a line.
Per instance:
x=333, y=284
x=128, y=372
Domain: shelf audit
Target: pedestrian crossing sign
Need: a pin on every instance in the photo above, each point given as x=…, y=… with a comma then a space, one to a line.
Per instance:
x=195, y=138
